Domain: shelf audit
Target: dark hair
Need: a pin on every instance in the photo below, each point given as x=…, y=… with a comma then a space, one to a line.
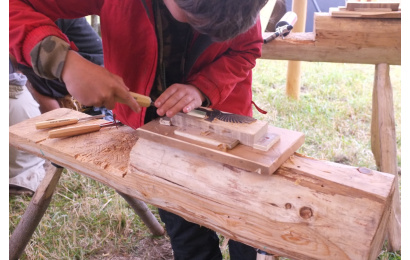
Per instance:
x=221, y=19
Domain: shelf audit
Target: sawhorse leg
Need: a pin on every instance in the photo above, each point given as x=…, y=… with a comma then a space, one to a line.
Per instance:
x=40, y=202
x=145, y=214
x=33, y=214
x=383, y=139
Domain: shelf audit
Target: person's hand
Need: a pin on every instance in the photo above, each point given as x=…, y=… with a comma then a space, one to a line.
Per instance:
x=178, y=97
x=93, y=85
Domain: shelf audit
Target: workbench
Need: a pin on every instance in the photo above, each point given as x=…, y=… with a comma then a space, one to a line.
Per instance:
x=306, y=209
x=363, y=41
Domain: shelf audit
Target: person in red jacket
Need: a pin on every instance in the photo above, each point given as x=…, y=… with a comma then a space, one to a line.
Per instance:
x=182, y=53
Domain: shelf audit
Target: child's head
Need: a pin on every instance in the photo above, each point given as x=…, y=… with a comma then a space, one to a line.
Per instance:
x=220, y=19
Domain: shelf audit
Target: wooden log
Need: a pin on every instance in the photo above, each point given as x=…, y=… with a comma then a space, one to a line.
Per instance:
x=308, y=209
x=383, y=143
x=33, y=214
x=296, y=212
x=344, y=40
x=294, y=67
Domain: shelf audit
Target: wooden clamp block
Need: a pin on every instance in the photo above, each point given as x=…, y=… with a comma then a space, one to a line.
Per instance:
x=247, y=132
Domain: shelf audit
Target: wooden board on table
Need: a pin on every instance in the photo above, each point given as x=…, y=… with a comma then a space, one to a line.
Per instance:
x=343, y=12
x=355, y=5
x=241, y=156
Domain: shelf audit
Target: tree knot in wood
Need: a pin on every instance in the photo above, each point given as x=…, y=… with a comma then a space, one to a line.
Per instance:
x=364, y=170
x=306, y=212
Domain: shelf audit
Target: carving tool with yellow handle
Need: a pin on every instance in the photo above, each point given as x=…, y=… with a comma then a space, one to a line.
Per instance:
x=79, y=130
x=64, y=121
x=142, y=100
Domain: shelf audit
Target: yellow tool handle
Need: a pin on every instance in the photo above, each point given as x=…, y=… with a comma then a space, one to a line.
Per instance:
x=73, y=130
x=56, y=122
x=142, y=100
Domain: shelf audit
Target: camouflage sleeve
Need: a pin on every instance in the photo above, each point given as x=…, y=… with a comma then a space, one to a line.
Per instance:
x=48, y=57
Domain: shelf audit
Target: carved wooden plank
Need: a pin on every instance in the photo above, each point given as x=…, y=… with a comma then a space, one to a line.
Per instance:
x=309, y=209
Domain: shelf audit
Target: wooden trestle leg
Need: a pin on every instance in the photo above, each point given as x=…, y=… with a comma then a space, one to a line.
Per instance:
x=383, y=140
x=145, y=214
x=33, y=214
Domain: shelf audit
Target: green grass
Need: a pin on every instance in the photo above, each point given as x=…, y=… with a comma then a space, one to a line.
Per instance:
x=87, y=220
x=333, y=110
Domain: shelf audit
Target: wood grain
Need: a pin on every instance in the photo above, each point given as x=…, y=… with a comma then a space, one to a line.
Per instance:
x=308, y=209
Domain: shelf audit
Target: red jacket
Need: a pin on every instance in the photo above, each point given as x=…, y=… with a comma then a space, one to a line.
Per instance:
x=223, y=72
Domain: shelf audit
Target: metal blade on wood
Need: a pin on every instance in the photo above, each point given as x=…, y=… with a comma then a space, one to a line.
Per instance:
x=212, y=114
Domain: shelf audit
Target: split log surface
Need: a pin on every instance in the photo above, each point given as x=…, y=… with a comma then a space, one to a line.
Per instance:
x=308, y=209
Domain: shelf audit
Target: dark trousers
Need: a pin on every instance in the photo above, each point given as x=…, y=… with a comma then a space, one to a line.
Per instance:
x=191, y=241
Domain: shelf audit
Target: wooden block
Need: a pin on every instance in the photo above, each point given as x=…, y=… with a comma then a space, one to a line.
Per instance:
x=242, y=156
x=207, y=137
x=246, y=133
x=266, y=142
